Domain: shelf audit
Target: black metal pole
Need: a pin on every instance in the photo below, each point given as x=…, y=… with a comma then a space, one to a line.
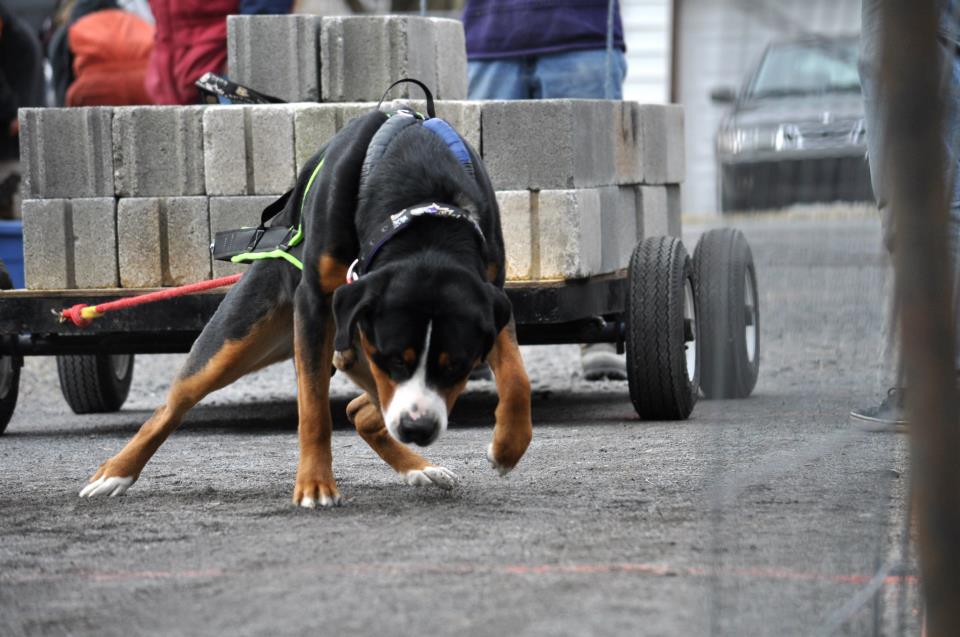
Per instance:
x=914, y=170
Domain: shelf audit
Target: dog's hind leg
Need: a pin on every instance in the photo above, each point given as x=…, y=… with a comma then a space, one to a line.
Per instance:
x=218, y=357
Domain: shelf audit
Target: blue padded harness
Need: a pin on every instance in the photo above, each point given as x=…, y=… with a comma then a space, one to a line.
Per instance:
x=453, y=141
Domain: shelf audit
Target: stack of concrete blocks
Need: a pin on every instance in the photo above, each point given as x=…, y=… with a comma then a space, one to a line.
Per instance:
x=131, y=196
x=581, y=182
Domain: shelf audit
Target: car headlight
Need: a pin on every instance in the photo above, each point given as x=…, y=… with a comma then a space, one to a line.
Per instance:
x=733, y=141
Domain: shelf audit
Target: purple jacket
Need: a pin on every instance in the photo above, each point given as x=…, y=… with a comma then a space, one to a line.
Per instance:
x=510, y=28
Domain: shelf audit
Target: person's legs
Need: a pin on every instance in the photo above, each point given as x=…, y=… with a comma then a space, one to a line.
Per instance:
x=502, y=79
x=891, y=412
x=580, y=74
x=583, y=74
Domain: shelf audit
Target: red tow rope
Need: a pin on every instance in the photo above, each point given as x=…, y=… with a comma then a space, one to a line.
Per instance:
x=82, y=315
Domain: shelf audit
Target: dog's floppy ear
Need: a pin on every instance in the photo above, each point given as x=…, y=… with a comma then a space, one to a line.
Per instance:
x=351, y=301
x=502, y=309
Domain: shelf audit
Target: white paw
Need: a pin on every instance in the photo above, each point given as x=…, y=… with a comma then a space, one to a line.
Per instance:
x=106, y=486
x=499, y=468
x=436, y=476
x=325, y=501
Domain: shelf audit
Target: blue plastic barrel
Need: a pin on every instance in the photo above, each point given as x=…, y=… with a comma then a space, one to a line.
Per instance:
x=11, y=249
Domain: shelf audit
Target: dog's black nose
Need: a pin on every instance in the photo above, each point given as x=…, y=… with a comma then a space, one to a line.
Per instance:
x=419, y=431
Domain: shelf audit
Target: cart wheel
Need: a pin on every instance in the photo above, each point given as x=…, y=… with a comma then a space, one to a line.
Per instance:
x=729, y=314
x=95, y=383
x=9, y=368
x=661, y=325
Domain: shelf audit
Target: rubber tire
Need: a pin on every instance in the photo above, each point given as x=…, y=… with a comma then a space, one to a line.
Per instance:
x=8, y=397
x=721, y=262
x=90, y=384
x=660, y=387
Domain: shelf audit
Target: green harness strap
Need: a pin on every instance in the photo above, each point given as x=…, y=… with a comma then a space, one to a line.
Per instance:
x=297, y=238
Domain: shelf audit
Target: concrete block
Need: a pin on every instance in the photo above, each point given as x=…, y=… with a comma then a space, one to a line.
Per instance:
x=158, y=151
x=451, y=46
x=229, y=213
x=270, y=150
x=618, y=226
x=662, y=143
x=549, y=144
x=249, y=150
x=652, y=212
x=185, y=247
x=276, y=54
x=674, y=210
x=45, y=229
x=569, y=234
x=362, y=55
x=70, y=243
x=225, y=150
x=164, y=241
x=66, y=152
x=313, y=126
x=517, y=221
x=628, y=147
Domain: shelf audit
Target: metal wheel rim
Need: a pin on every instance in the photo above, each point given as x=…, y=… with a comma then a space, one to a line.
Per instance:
x=6, y=375
x=750, y=329
x=121, y=365
x=690, y=314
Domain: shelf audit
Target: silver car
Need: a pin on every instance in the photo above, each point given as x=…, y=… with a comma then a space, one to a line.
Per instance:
x=795, y=132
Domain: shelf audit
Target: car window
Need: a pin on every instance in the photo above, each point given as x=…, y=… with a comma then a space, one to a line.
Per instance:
x=803, y=69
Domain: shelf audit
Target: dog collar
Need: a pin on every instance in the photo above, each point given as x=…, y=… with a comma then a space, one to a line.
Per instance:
x=397, y=223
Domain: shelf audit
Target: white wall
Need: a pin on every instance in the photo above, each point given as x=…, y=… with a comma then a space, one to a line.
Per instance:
x=647, y=30
x=719, y=41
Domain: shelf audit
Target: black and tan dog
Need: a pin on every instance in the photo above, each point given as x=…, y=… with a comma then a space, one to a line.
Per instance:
x=428, y=305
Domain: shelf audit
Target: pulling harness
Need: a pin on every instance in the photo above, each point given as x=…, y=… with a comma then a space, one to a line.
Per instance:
x=247, y=245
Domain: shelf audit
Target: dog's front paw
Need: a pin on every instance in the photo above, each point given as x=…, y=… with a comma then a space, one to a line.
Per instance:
x=497, y=466
x=106, y=485
x=309, y=493
x=431, y=475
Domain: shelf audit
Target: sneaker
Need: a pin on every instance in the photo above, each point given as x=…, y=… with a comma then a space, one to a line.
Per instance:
x=600, y=361
x=889, y=415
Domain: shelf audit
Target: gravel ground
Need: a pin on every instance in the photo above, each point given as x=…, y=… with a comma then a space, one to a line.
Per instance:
x=762, y=516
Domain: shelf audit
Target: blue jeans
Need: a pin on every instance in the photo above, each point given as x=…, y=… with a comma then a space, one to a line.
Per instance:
x=870, y=54
x=571, y=74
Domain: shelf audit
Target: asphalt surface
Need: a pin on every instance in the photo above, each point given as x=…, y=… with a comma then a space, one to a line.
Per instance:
x=764, y=516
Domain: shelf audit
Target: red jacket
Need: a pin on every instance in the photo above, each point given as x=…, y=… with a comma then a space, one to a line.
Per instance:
x=191, y=39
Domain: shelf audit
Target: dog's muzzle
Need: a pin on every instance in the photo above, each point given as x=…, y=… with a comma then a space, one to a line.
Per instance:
x=421, y=431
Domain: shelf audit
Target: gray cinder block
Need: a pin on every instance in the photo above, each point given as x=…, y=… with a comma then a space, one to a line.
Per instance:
x=516, y=218
x=629, y=148
x=70, y=243
x=225, y=150
x=569, y=234
x=163, y=241
x=158, y=151
x=662, y=143
x=451, y=46
x=313, y=126
x=652, y=212
x=276, y=54
x=618, y=226
x=66, y=152
x=249, y=149
x=362, y=55
x=674, y=210
x=229, y=213
x=549, y=144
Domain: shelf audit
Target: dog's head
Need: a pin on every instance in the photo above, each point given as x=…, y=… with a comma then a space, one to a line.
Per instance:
x=422, y=330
